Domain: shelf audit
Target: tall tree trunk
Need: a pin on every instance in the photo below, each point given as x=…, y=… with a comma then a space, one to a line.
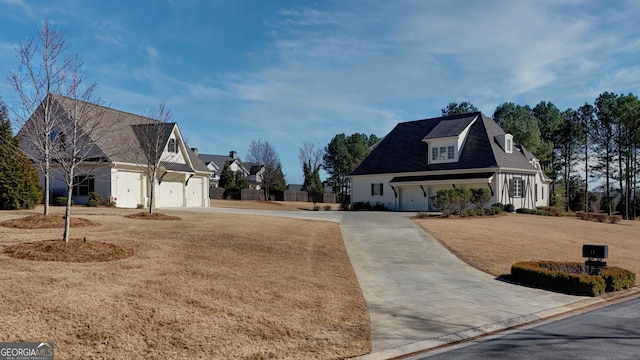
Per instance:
x=608, y=185
x=586, y=176
x=67, y=211
x=47, y=196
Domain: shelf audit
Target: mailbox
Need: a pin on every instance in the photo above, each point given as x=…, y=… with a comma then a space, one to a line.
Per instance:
x=595, y=251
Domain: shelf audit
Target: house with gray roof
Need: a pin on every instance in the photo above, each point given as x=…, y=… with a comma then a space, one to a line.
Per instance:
x=119, y=169
x=215, y=163
x=418, y=158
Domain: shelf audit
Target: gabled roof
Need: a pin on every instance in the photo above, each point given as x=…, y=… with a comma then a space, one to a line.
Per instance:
x=126, y=130
x=404, y=151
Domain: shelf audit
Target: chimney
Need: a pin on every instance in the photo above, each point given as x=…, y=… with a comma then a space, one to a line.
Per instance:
x=195, y=150
x=233, y=155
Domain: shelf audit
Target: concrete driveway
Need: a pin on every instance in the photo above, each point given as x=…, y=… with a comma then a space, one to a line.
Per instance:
x=421, y=296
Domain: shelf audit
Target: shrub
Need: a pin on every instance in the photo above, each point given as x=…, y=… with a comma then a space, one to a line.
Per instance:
x=422, y=215
x=139, y=206
x=498, y=205
x=61, y=201
x=480, y=197
x=327, y=208
x=509, y=208
x=551, y=209
x=95, y=196
x=495, y=210
x=316, y=207
x=524, y=211
x=361, y=205
x=544, y=274
x=614, y=219
x=93, y=203
x=617, y=278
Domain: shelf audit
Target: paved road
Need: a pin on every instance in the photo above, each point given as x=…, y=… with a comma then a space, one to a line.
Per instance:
x=612, y=332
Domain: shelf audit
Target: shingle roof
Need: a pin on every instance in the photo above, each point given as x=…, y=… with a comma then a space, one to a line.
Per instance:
x=403, y=149
x=121, y=143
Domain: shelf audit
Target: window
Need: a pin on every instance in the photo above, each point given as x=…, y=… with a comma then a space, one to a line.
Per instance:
x=434, y=153
x=376, y=189
x=508, y=147
x=443, y=153
x=517, y=187
x=83, y=185
x=450, y=152
x=172, y=148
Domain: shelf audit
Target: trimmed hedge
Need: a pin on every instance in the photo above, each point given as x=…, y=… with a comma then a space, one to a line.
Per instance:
x=618, y=278
x=571, y=277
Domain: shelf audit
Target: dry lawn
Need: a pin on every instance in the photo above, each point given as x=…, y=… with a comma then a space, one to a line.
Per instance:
x=211, y=286
x=270, y=205
x=492, y=244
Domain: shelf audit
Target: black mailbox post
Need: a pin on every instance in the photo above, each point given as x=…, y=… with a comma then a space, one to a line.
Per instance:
x=595, y=253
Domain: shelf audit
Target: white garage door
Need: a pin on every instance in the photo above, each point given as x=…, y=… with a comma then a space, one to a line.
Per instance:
x=412, y=199
x=128, y=189
x=194, y=192
x=170, y=194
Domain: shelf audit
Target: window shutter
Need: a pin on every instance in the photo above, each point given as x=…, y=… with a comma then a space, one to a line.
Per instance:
x=372, y=190
x=381, y=187
x=511, y=188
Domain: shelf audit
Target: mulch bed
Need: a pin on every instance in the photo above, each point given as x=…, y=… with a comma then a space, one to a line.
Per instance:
x=76, y=250
x=46, y=222
x=152, y=216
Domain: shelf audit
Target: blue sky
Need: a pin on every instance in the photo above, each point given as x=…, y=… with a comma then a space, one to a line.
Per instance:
x=287, y=72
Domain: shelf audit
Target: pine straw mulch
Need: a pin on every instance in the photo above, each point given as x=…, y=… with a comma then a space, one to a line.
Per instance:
x=76, y=251
x=152, y=216
x=46, y=222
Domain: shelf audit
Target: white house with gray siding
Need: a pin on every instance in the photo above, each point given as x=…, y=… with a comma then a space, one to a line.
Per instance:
x=418, y=158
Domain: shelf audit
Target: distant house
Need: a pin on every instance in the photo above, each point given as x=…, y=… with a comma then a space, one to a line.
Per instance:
x=418, y=158
x=215, y=163
x=117, y=169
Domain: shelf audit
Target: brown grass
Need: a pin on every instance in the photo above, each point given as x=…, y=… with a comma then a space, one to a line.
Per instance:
x=209, y=286
x=46, y=222
x=270, y=205
x=493, y=244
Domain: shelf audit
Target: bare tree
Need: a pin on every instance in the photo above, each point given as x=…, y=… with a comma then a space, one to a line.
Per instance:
x=263, y=154
x=44, y=69
x=310, y=154
x=74, y=137
x=153, y=139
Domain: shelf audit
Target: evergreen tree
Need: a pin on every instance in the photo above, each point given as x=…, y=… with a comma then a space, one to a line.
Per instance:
x=240, y=180
x=19, y=182
x=458, y=108
x=227, y=178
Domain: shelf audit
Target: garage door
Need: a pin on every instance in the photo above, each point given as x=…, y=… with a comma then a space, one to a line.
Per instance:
x=170, y=194
x=412, y=199
x=194, y=192
x=128, y=189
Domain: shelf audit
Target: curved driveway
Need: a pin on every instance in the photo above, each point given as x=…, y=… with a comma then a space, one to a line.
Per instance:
x=419, y=294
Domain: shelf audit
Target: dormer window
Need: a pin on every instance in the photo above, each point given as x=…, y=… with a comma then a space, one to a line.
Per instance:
x=506, y=142
x=445, y=153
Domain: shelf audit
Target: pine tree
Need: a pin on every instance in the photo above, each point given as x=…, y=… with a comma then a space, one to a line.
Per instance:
x=19, y=182
x=227, y=178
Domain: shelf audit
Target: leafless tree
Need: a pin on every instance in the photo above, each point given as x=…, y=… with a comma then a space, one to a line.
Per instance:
x=153, y=138
x=310, y=155
x=263, y=154
x=44, y=69
x=74, y=136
